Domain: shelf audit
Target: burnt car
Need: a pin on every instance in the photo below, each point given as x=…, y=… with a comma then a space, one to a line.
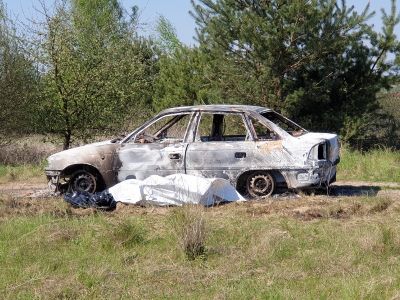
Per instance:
x=255, y=148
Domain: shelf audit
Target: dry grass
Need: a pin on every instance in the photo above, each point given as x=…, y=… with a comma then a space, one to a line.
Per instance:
x=189, y=225
x=23, y=159
x=312, y=247
x=31, y=150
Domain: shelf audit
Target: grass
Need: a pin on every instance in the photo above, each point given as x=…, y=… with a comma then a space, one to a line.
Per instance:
x=24, y=158
x=309, y=248
x=375, y=165
x=25, y=172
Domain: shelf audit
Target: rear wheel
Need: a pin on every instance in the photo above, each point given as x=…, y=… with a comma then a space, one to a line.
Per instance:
x=83, y=181
x=260, y=184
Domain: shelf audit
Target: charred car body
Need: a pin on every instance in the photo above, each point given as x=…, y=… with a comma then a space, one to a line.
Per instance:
x=253, y=147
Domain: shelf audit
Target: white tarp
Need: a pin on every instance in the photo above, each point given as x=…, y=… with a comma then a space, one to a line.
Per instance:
x=176, y=189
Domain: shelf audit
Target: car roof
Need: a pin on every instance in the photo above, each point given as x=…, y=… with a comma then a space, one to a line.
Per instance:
x=217, y=108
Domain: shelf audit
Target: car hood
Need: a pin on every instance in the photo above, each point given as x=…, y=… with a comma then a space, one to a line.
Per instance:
x=87, y=154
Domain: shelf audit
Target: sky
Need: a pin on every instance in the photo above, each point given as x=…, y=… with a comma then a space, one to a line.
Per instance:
x=177, y=12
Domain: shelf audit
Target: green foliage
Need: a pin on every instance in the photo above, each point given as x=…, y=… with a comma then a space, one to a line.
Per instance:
x=18, y=80
x=98, y=72
x=318, y=62
x=181, y=80
x=185, y=73
x=168, y=41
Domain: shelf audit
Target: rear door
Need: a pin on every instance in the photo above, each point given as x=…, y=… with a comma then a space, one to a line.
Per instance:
x=223, y=146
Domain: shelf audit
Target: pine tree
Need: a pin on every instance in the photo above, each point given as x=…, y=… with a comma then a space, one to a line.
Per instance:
x=317, y=61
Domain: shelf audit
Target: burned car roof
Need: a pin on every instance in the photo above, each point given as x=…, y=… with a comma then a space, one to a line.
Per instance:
x=217, y=107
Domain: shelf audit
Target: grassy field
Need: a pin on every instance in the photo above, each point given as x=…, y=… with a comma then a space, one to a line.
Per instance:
x=312, y=247
x=25, y=172
x=375, y=165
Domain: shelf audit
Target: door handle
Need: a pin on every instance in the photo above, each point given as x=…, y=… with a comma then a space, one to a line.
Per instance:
x=175, y=156
x=240, y=154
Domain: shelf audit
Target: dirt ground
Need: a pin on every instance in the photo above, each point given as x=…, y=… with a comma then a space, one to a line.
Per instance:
x=22, y=190
x=340, y=188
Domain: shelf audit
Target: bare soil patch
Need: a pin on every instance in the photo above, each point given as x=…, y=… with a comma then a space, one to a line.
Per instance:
x=22, y=189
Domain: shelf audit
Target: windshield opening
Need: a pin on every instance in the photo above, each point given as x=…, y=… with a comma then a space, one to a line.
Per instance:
x=284, y=123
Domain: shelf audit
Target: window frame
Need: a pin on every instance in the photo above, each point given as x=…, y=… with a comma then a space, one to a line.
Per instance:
x=245, y=121
x=256, y=138
x=132, y=138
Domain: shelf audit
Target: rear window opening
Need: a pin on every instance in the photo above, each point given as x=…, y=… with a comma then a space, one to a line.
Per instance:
x=289, y=126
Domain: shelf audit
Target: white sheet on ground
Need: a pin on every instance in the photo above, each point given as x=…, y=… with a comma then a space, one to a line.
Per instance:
x=176, y=189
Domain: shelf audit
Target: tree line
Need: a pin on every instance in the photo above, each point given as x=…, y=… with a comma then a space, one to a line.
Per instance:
x=84, y=70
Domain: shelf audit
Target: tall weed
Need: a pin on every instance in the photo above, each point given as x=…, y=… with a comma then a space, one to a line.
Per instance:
x=189, y=226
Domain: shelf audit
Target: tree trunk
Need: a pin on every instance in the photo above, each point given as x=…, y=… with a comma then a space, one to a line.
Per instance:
x=67, y=139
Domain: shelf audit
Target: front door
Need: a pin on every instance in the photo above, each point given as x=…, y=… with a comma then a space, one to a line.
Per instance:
x=158, y=149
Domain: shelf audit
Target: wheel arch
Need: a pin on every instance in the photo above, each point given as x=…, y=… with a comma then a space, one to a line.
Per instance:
x=71, y=169
x=277, y=175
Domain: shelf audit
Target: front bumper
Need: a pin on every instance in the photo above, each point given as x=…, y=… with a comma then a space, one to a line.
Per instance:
x=53, y=180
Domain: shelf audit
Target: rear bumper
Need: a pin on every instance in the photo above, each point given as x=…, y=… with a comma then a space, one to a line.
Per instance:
x=310, y=177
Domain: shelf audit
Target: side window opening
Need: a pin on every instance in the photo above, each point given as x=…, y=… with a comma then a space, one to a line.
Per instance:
x=169, y=129
x=221, y=127
x=263, y=132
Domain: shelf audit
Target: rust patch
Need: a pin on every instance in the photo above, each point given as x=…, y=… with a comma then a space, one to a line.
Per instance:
x=270, y=146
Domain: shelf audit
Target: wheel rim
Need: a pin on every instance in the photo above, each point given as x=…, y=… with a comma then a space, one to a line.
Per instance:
x=83, y=182
x=260, y=185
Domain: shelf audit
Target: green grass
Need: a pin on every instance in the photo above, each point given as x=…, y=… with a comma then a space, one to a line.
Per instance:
x=24, y=172
x=375, y=165
x=278, y=249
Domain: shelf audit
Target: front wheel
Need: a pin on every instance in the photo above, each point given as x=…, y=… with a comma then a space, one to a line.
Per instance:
x=83, y=181
x=260, y=184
